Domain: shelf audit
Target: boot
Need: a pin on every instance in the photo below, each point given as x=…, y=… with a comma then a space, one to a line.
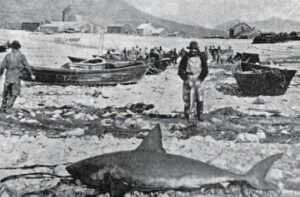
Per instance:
x=200, y=110
x=4, y=105
x=186, y=112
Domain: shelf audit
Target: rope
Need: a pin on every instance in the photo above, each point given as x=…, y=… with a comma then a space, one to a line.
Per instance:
x=32, y=174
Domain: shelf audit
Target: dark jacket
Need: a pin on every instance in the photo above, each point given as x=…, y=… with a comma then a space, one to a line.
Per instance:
x=183, y=64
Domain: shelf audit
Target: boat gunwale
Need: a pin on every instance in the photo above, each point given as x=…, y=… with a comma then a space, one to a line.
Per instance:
x=138, y=65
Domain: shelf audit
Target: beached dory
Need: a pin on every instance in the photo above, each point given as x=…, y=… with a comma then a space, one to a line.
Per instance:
x=149, y=168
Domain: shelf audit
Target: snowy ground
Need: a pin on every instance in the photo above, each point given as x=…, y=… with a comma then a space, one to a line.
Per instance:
x=21, y=146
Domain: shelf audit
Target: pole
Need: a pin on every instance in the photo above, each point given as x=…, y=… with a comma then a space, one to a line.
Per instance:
x=101, y=41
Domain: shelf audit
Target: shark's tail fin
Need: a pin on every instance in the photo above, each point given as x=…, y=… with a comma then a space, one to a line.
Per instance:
x=257, y=174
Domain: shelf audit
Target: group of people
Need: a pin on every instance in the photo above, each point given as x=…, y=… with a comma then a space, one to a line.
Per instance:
x=192, y=70
x=139, y=53
x=217, y=53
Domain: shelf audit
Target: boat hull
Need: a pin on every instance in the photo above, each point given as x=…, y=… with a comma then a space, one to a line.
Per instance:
x=265, y=81
x=131, y=73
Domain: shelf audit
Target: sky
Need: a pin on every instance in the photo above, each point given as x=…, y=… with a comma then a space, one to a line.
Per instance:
x=213, y=12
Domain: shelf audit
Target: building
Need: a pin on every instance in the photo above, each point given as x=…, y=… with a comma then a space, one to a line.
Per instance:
x=30, y=26
x=159, y=32
x=242, y=30
x=176, y=34
x=120, y=29
x=145, y=29
x=60, y=27
x=12, y=25
x=68, y=14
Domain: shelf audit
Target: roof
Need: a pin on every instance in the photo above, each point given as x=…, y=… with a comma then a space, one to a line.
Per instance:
x=240, y=23
x=117, y=25
x=145, y=25
x=31, y=22
x=158, y=31
x=59, y=24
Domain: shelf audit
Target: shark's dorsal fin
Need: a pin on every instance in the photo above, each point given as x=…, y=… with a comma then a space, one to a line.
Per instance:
x=153, y=141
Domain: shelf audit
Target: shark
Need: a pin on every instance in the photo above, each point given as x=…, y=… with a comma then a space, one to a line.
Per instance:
x=149, y=168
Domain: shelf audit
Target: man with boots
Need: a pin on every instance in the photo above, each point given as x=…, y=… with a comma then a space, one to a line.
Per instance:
x=15, y=63
x=193, y=70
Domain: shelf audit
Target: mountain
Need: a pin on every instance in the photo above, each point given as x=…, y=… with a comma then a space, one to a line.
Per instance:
x=102, y=12
x=225, y=26
x=276, y=25
x=273, y=24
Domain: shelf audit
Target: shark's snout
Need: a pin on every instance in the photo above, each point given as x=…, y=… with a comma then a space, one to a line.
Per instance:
x=73, y=171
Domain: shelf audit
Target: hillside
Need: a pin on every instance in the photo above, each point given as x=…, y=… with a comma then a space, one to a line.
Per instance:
x=102, y=12
x=277, y=25
x=269, y=25
x=225, y=26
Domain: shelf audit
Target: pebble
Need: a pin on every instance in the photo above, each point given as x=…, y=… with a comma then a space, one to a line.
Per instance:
x=130, y=123
x=216, y=121
x=259, y=101
x=209, y=139
x=107, y=122
x=276, y=174
x=29, y=121
x=247, y=137
x=73, y=132
x=178, y=134
x=261, y=135
x=270, y=129
x=177, y=126
x=70, y=113
x=79, y=116
x=144, y=124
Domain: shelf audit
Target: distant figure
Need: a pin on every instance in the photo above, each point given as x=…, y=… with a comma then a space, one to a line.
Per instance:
x=154, y=55
x=193, y=70
x=15, y=63
x=182, y=52
x=125, y=54
x=214, y=53
x=219, y=51
x=206, y=51
x=230, y=56
x=174, y=56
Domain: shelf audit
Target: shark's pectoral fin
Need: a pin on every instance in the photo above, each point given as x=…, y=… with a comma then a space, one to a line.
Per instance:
x=118, y=188
x=152, y=142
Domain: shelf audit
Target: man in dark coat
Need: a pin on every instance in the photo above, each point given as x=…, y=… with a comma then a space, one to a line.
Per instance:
x=193, y=70
x=14, y=63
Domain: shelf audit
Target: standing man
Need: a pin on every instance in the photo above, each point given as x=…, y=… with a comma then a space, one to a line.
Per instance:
x=193, y=70
x=14, y=63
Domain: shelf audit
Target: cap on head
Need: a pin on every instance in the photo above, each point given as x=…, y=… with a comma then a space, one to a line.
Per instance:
x=15, y=45
x=193, y=45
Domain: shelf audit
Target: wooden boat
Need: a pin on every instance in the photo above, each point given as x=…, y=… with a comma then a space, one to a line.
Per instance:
x=76, y=59
x=255, y=79
x=154, y=66
x=105, y=74
x=94, y=63
x=3, y=47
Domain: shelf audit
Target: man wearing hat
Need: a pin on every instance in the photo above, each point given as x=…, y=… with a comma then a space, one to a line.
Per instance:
x=14, y=63
x=193, y=70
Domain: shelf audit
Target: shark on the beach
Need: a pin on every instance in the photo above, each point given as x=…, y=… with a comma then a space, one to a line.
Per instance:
x=149, y=168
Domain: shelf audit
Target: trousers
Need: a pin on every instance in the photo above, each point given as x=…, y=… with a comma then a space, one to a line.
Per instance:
x=10, y=93
x=193, y=99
